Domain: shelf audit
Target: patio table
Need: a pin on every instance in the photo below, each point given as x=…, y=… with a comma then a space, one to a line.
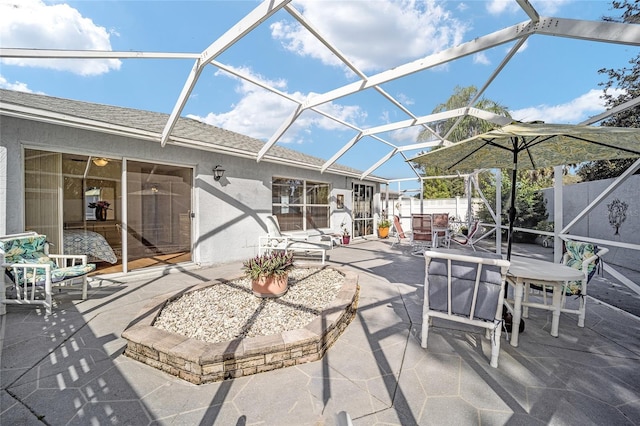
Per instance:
x=539, y=272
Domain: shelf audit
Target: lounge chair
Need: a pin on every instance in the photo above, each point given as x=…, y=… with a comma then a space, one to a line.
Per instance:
x=276, y=240
x=399, y=233
x=465, y=289
x=468, y=239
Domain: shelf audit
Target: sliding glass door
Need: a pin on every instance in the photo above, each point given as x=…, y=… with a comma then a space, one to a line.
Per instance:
x=158, y=214
x=78, y=203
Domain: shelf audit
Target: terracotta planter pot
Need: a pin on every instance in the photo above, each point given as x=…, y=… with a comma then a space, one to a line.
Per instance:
x=383, y=232
x=270, y=286
x=346, y=239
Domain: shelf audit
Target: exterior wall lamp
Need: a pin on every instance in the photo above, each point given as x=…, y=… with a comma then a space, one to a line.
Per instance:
x=100, y=162
x=218, y=172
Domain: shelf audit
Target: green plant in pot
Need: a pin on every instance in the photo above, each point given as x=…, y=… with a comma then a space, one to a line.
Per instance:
x=383, y=228
x=269, y=273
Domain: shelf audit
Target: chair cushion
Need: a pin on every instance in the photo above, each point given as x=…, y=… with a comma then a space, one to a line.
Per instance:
x=61, y=274
x=57, y=275
x=31, y=248
x=577, y=253
x=463, y=276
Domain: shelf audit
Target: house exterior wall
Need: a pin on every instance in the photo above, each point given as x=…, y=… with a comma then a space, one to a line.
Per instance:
x=3, y=189
x=229, y=214
x=596, y=224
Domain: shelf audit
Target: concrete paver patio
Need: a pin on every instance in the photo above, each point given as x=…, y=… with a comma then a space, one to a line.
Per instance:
x=68, y=368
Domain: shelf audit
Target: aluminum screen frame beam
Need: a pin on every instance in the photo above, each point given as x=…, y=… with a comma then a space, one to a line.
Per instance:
x=257, y=16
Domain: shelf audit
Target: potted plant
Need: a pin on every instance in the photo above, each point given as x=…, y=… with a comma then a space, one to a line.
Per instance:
x=346, y=237
x=383, y=228
x=269, y=273
x=101, y=208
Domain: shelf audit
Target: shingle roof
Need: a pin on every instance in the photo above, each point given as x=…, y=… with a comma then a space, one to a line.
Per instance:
x=207, y=136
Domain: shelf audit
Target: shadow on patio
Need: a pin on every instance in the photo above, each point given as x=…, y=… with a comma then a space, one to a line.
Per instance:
x=69, y=368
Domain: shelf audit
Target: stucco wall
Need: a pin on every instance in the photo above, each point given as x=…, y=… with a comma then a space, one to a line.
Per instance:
x=228, y=213
x=3, y=190
x=596, y=224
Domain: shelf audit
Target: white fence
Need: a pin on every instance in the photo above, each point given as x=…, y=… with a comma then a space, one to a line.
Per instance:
x=456, y=207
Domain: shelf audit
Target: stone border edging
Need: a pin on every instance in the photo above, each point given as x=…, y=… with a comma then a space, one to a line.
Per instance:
x=200, y=362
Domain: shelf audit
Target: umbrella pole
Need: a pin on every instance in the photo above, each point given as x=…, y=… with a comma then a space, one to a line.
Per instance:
x=512, y=210
x=512, y=218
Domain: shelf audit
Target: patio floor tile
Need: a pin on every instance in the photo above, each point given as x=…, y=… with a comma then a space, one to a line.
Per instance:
x=69, y=368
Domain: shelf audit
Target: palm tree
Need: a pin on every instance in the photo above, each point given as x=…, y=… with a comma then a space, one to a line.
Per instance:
x=466, y=127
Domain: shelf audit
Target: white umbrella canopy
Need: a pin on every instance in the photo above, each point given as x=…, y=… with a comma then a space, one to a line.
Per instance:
x=535, y=145
x=526, y=146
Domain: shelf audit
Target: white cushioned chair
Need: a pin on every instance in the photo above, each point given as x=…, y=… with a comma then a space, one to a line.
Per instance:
x=466, y=289
x=33, y=272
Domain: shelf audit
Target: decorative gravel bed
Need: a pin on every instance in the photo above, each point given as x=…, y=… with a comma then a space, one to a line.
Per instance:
x=219, y=330
x=227, y=311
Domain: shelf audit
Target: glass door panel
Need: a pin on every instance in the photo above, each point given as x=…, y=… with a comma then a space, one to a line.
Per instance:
x=59, y=188
x=92, y=210
x=158, y=214
x=362, y=210
x=43, y=188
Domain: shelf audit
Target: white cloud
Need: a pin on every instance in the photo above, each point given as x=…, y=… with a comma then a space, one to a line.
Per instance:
x=543, y=7
x=394, y=31
x=405, y=99
x=34, y=24
x=550, y=7
x=498, y=7
x=572, y=112
x=259, y=113
x=462, y=6
x=245, y=86
x=18, y=86
x=408, y=135
x=481, y=58
x=524, y=46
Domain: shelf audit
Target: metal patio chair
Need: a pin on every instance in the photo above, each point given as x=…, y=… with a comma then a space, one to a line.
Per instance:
x=469, y=239
x=421, y=232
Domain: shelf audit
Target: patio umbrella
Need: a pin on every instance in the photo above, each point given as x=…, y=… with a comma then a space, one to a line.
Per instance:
x=526, y=146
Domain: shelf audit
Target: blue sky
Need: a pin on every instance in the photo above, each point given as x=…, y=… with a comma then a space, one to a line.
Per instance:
x=551, y=78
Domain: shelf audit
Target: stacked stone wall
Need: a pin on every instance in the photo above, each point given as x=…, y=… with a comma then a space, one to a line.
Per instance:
x=200, y=362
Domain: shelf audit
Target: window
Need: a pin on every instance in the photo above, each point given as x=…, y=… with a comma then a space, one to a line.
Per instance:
x=299, y=204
